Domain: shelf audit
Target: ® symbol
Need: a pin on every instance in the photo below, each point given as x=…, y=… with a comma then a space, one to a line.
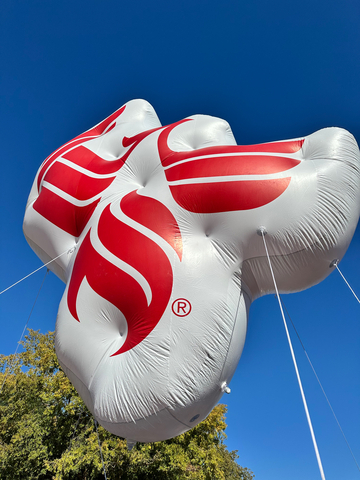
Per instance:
x=181, y=307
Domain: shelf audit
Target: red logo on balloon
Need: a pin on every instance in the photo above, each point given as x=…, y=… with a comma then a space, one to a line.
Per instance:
x=181, y=307
x=207, y=180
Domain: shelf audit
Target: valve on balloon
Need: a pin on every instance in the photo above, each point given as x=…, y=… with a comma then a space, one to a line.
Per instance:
x=225, y=388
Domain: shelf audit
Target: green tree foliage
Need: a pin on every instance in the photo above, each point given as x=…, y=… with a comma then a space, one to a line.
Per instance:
x=46, y=432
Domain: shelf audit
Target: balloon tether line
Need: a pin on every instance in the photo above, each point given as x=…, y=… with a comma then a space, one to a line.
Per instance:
x=101, y=455
x=42, y=266
x=262, y=231
x=320, y=384
x=26, y=324
x=335, y=263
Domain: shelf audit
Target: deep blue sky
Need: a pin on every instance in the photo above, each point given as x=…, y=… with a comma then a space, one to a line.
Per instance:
x=273, y=70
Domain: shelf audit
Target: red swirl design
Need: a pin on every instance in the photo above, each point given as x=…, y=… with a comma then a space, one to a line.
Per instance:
x=137, y=250
x=206, y=195
x=71, y=182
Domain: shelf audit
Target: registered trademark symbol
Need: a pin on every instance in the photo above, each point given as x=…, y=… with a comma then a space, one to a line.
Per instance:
x=181, y=307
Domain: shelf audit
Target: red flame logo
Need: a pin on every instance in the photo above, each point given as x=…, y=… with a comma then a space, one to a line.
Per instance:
x=135, y=249
x=71, y=183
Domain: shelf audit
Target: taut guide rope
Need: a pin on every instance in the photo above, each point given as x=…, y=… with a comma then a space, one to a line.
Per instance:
x=26, y=324
x=262, y=231
x=335, y=263
x=42, y=266
x=101, y=455
x=320, y=384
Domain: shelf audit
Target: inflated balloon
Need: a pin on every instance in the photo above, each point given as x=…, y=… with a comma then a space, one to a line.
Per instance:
x=154, y=231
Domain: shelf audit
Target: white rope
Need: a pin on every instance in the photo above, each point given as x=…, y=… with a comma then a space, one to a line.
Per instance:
x=322, y=388
x=32, y=273
x=262, y=232
x=332, y=410
x=101, y=455
x=347, y=283
x=77, y=424
x=24, y=329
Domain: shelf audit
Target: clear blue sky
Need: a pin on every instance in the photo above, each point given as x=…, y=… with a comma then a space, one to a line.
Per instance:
x=273, y=70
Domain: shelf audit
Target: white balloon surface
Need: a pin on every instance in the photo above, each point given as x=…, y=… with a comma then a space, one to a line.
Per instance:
x=155, y=230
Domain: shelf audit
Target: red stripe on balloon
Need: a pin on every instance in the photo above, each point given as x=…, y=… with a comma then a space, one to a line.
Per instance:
x=83, y=157
x=78, y=185
x=224, y=166
x=75, y=183
x=155, y=216
x=169, y=157
x=100, y=128
x=70, y=218
x=136, y=139
x=228, y=196
x=88, y=135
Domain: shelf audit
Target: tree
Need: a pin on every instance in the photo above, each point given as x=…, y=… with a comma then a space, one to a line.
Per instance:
x=47, y=432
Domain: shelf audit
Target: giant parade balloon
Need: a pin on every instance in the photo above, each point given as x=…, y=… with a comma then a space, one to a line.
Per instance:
x=155, y=232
